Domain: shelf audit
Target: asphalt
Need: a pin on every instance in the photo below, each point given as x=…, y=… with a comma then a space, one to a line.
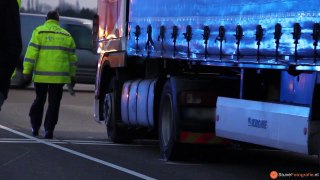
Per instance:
x=23, y=156
x=31, y=158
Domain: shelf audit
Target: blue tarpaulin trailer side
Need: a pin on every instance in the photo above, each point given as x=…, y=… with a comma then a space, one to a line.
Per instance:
x=229, y=13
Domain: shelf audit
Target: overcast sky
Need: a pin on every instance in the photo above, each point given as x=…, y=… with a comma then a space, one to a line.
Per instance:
x=54, y=3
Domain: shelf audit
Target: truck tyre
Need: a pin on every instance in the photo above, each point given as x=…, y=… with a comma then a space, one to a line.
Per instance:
x=115, y=133
x=168, y=123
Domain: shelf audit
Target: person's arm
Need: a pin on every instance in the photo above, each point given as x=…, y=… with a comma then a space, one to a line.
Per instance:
x=73, y=60
x=31, y=55
x=19, y=3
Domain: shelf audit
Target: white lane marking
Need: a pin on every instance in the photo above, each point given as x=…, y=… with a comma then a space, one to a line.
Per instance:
x=182, y=163
x=18, y=157
x=125, y=170
x=84, y=142
x=77, y=142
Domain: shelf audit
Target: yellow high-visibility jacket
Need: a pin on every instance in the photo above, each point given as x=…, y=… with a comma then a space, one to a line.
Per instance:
x=19, y=3
x=51, y=54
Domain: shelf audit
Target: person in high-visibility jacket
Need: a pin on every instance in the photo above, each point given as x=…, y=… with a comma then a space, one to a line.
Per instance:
x=10, y=44
x=51, y=61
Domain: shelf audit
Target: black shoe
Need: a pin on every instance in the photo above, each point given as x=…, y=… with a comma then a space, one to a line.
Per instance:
x=49, y=135
x=35, y=132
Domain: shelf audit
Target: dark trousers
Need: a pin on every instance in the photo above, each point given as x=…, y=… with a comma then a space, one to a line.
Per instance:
x=54, y=92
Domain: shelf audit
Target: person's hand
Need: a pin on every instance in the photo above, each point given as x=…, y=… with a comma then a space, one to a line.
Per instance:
x=27, y=77
x=73, y=81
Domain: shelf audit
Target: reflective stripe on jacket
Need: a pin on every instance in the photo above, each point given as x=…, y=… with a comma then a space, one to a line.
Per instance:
x=51, y=54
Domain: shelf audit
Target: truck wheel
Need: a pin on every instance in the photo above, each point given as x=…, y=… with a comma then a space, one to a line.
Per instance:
x=115, y=133
x=168, y=124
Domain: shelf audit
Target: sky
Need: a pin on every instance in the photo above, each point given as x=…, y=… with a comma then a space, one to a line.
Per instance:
x=83, y=3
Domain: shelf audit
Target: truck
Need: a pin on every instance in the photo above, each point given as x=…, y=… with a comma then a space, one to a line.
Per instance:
x=209, y=72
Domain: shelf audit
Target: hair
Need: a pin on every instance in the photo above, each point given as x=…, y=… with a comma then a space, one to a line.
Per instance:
x=53, y=15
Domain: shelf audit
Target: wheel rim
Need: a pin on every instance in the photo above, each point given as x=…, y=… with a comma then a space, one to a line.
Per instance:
x=107, y=108
x=166, y=120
